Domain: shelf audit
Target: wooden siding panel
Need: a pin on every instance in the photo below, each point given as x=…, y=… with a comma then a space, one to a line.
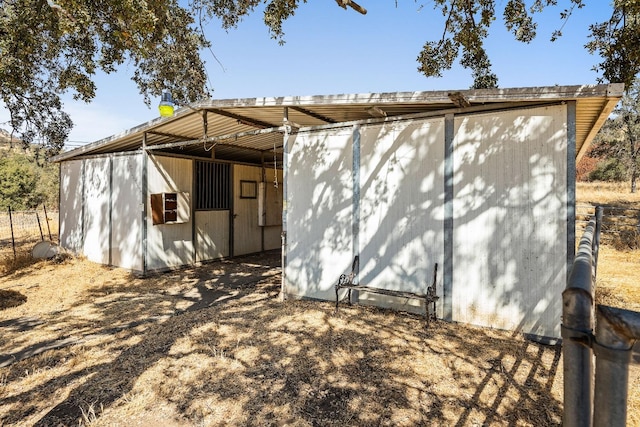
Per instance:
x=247, y=235
x=510, y=220
x=273, y=208
x=126, y=212
x=71, y=236
x=319, y=212
x=169, y=245
x=212, y=235
x=402, y=194
x=97, y=209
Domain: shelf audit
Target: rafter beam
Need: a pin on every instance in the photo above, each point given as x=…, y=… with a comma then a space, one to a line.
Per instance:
x=215, y=139
x=242, y=119
x=169, y=135
x=314, y=115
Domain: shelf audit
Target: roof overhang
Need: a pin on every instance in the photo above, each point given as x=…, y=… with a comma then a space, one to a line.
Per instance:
x=248, y=129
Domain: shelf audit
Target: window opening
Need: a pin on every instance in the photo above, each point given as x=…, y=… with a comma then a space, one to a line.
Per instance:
x=213, y=186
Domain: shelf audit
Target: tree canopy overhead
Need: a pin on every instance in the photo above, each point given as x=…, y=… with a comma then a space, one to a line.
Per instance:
x=51, y=47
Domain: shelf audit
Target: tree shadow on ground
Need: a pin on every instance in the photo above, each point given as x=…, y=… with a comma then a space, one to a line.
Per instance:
x=9, y=298
x=231, y=353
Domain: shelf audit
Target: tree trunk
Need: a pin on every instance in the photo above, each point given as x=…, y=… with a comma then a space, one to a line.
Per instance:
x=633, y=150
x=634, y=164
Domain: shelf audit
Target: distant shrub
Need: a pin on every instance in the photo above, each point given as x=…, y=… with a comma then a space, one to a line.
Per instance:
x=585, y=167
x=610, y=170
x=25, y=183
x=626, y=241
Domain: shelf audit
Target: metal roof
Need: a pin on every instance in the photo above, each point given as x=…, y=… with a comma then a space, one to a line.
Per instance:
x=250, y=130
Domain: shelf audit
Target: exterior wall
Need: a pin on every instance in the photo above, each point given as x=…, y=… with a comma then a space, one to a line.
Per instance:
x=509, y=263
x=101, y=213
x=212, y=234
x=100, y=209
x=71, y=205
x=126, y=211
x=401, y=212
x=319, y=212
x=273, y=209
x=169, y=245
x=247, y=235
x=96, y=210
x=508, y=244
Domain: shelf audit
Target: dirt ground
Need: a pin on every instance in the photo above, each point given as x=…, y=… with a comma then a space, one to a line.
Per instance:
x=214, y=345
x=83, y=344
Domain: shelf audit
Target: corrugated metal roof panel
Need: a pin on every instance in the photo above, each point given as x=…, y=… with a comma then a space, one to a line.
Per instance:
x=239, y=116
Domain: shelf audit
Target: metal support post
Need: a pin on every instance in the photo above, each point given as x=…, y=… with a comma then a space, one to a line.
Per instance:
x=616, y=331
x=577, y=329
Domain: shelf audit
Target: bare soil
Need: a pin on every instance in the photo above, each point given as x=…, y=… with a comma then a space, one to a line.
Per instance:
x=83, y=344
x=215, y=345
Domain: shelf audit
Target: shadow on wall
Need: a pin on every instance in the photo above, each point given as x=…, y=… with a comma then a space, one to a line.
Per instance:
x=100, y=209
x=319, y=211
x=169, y=245
x=509, y=233
x=510, y=229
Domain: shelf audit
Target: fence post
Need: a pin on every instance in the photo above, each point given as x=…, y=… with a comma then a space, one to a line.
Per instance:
x=13, y=239
x=577, y=330
x=616, y=331
x=39, y=227
x=46, y=217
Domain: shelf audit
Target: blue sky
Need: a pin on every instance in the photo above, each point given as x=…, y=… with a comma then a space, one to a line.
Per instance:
x=329, y=50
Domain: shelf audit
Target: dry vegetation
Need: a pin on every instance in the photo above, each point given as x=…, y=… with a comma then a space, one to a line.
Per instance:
x=214, y=345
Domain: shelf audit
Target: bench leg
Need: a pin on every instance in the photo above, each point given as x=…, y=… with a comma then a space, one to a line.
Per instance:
x=337, y=300
x=426, y=314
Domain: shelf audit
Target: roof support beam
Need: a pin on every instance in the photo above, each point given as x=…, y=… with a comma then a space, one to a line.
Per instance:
x=241, y=119
x=278, y=150
x=314, y=115
x=168, y=135
x=215, y=139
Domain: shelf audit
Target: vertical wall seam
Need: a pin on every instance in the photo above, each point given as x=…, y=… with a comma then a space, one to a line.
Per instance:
x=84, y=200
x=194, y=239
x=285, y=201
x=232, y=214
x=571, y=184
x=145, y=189
x=110, y=158
x=60, y=202
x=263, y=179
x=447, y=271
x=355, y=214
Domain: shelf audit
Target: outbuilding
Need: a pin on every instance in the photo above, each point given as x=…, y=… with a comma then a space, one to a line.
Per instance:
x=479, y=182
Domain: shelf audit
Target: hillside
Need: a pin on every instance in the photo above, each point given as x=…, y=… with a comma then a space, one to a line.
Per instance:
x=28, y=179
x=6, y=139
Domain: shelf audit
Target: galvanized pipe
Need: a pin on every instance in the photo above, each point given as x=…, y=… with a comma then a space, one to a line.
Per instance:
x=285, y=201
x=616, y=331
x=596, y=242
x=577, y=327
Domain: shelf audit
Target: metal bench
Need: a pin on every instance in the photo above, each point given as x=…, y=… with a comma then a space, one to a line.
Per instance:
x=346, y=282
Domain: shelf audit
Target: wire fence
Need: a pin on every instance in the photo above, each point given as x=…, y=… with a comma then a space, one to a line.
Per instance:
x=620, y=225
x=20, y=231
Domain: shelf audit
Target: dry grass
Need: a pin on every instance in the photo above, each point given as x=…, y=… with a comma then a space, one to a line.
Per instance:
x=214, y=345
x=618, y=283
x=607, y=193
